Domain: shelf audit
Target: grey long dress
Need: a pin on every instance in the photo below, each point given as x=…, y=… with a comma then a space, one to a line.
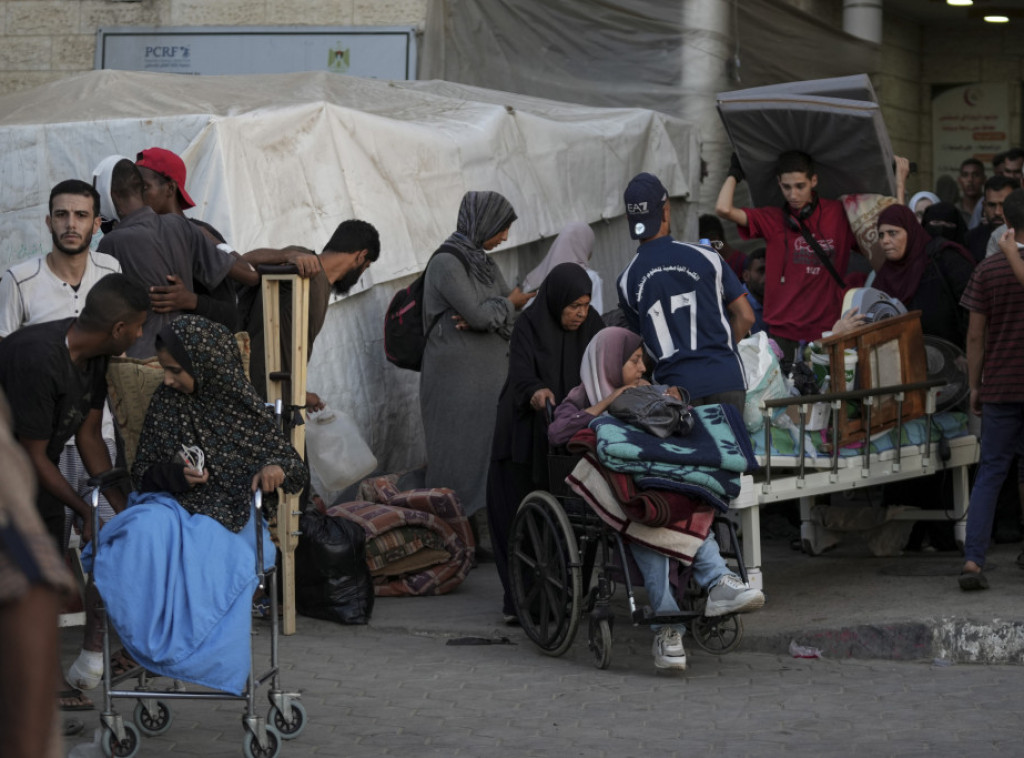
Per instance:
x=462, y=375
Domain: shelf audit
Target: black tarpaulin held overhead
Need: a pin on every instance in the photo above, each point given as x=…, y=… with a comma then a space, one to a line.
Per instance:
x=837, y=122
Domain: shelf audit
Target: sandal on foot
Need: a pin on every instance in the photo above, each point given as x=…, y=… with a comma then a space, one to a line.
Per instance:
x=72, y=699
x=973, y=580
x=121, y=663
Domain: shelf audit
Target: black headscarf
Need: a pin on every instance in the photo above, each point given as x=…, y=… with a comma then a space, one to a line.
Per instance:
x=224, y=417
x=944, y=220
x=542, y=354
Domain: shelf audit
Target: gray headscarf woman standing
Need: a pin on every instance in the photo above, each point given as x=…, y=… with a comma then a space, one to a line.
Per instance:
x=468, y=309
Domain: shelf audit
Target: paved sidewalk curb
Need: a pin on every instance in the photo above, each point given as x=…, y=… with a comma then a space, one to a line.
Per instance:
x=954, y=640
x=848, y=605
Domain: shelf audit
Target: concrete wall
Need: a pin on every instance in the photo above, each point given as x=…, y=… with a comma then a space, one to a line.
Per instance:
x=915, y=57
x=897, y=84
x=988, y=53
x=44, y=40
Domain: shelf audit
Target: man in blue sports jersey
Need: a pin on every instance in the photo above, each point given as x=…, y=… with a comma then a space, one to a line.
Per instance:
x=691, y=309
x=685, y=301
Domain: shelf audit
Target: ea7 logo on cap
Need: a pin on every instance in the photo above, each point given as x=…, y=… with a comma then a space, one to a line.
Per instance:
x=636, y=207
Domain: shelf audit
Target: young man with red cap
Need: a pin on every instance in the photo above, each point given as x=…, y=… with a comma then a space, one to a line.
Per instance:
x=351, y=250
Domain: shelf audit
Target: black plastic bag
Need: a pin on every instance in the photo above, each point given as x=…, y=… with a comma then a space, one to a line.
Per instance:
x=332, y=580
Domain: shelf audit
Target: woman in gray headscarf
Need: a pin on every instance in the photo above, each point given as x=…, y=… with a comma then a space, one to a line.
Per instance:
x=575, y=244
x=468, y=311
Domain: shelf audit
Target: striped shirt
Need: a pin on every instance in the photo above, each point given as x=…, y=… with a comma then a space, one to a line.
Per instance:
x=994, y=292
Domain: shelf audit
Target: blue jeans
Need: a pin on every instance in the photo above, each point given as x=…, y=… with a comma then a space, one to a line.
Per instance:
x=1002, y=437
x=708, y=567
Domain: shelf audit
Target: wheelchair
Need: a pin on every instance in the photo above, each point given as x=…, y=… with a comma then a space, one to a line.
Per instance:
x=152, y=715
x=565, y=562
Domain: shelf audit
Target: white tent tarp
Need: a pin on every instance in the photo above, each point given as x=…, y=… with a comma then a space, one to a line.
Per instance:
x=282, y=159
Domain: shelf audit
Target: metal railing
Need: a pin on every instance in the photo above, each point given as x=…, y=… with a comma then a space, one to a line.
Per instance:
x=835, y=400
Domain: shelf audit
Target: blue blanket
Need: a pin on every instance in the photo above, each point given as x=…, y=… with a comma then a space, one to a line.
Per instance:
x=178, y=588
x=714, y=455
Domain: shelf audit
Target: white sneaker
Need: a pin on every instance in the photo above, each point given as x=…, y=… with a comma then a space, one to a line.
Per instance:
x=668, y=649
x=731, y=595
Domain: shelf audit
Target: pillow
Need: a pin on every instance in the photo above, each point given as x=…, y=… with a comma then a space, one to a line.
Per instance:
x=131, y=383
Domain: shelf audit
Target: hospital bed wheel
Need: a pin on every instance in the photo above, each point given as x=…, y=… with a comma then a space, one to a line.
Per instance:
x=126, y=748
x=152, y=723
x=252, y=748
x=289, y=728
x=544, y=572
x=601, y=642
x=717, y=635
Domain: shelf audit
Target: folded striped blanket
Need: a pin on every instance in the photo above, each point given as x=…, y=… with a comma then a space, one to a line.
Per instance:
x=680, y=539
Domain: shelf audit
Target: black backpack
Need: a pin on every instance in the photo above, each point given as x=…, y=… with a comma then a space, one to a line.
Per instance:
x=405, y=339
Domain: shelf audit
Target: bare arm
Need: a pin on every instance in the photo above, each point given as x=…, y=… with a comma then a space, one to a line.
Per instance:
x=849, y=321
x=741, y=317
x=724, y=204
x=95, y=455
x=975, y=357
x=902, y=172
x=304, y=260
x=51, y=480
x=1008, y=246
x=243, y=273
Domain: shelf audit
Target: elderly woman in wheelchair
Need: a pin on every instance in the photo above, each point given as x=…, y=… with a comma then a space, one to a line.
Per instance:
x=613, y=362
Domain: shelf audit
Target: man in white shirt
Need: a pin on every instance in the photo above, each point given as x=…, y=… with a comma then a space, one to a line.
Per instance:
x=54, y=286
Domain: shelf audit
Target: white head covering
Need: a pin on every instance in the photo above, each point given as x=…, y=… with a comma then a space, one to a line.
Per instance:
x=101, y=181
x=922, y=196
x=574, y=244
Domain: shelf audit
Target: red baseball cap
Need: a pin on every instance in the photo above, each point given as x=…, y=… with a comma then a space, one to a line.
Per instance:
x=168, y=165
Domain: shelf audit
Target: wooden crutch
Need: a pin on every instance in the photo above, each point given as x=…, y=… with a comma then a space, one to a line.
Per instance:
x=288, y=507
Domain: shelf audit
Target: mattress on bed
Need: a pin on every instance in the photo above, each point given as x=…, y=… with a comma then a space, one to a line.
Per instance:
x=784, y=450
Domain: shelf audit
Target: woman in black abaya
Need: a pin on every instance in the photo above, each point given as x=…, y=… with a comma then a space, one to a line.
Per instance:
x=545, y=353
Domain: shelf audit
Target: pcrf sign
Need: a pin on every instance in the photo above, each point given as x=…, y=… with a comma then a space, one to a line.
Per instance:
x=377, y=52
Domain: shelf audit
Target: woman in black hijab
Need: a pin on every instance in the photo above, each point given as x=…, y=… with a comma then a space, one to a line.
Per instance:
x=944, y=220
x=545, y=353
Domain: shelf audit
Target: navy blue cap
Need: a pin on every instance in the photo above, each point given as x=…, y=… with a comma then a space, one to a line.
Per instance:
x=645, y=198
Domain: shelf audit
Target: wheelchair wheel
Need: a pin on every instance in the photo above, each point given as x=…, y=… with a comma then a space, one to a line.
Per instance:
x=251, y=747
x=601, y=642
x=125, y=748
x=152, y=720
x=288, y=727
x=719, y=635
x=544, y=572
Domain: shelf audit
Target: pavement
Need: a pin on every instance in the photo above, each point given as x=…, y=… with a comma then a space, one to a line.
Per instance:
x=444, y=676
x=846, y=602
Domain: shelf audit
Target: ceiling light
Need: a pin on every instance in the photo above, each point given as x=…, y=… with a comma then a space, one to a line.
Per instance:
x=998, y=19
x=960, y=2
